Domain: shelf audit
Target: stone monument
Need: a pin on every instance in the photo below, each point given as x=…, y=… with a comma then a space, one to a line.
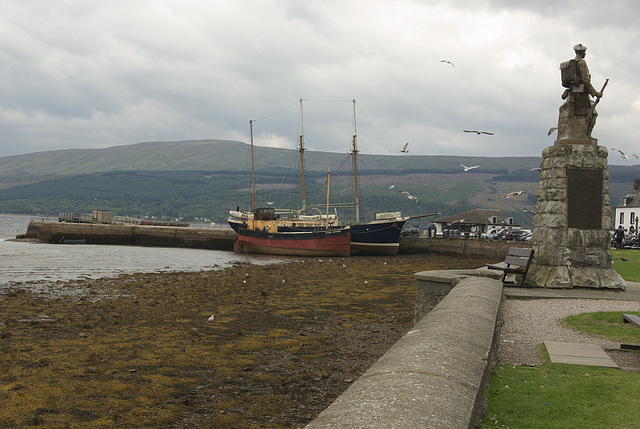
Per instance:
x=571, y=239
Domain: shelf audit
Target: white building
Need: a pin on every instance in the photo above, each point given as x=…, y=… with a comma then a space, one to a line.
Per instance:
x=628, y=210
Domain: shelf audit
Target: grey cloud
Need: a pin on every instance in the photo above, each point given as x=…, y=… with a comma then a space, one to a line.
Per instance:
x=101, y=74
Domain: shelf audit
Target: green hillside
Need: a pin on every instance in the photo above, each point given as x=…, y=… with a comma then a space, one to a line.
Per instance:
x=214, y=155
x=206, y=178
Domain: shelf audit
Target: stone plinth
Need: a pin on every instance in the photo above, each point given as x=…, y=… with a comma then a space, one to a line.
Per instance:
x=573, y=219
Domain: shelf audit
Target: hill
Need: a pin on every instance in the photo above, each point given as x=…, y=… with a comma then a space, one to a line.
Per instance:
x=214, y=155
x=205, y=178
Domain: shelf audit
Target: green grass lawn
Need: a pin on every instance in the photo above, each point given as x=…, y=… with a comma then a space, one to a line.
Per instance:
x=572, y=396
x=607, y=324
x=563, y=396
x=626, y=262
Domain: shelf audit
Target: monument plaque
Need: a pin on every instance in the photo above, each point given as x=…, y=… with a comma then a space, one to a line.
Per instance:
x=584, y=198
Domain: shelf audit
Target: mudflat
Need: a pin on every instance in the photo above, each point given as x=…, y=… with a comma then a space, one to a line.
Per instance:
x=250, y=346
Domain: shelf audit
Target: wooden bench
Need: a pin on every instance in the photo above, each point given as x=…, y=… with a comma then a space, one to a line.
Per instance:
x=517, y=262
x=630, y=318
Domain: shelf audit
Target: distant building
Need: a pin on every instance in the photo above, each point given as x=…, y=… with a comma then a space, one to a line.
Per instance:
x=475, y=222
x=628, y=210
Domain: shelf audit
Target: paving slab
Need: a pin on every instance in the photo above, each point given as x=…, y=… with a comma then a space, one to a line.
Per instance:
x=579, y=354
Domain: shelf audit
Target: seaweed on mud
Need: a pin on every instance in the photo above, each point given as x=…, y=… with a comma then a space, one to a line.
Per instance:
x=275, y=354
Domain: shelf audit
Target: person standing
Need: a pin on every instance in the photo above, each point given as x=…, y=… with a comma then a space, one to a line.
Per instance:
x=618, y=236
x=431, y=229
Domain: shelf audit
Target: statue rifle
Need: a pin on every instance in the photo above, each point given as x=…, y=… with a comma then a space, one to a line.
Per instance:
x=595, y=103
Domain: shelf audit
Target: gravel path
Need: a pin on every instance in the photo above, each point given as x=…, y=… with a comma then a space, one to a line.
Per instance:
x=530, y=322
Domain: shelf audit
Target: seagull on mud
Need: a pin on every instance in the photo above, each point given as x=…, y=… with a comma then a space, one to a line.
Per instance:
x=515, y=194
x=404, y=149
x=411, y=197
x=478, y=132
x=624, y=155
x=448, y=62
x=468, y=168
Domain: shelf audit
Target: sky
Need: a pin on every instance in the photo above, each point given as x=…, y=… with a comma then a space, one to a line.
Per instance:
x=94, y=74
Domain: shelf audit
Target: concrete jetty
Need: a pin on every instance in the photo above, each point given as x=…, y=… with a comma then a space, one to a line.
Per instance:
x=132, y=235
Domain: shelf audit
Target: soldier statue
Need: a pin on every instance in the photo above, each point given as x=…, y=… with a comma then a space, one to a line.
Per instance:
x=577, y=114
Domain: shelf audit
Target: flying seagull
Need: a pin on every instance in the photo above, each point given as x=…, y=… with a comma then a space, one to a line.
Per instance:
x=624, y=155
x=448, y=62
x=404, y=149
x=411, y=197
x=392, y=186
x=552, y=129
x=535, y=168
x=478, y=132
x=468, y=168
x=515, y=194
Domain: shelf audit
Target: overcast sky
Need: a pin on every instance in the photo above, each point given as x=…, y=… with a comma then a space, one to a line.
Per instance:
x=94, y=74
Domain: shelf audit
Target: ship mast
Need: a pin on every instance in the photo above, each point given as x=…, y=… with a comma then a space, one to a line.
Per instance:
x=301, y=150
x=253, y=171
x=328, y=184
x=354, y=154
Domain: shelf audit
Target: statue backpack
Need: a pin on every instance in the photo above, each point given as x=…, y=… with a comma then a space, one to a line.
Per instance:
x=568, y=72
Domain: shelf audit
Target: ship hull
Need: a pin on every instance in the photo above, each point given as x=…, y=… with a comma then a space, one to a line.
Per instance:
x=305, y=243
x=374, y=238
x=377, y=238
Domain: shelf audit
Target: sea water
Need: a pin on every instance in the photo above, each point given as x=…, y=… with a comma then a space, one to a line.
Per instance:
x=32, y=263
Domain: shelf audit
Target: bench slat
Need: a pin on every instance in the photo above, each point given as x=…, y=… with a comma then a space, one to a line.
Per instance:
x=516, y=260
x=516, y=269
x=631, y=318
x=519, y=251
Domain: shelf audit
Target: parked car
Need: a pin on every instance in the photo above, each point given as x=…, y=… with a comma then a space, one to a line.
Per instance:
x=526, y=236
x=490, y=233
x=451, y=233
x=515, y=235
x=414, y=231
x=499, y=235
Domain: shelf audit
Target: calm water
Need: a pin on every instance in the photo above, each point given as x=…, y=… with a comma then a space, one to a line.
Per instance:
x=47, y=263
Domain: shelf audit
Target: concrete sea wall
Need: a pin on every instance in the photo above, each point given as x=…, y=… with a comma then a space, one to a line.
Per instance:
x=434, y=376
x=491, y=249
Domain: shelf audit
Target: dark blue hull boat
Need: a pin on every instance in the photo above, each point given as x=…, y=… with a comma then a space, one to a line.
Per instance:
x=377, y=237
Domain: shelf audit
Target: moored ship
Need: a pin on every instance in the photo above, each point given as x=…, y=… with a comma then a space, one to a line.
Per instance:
x=262, y=235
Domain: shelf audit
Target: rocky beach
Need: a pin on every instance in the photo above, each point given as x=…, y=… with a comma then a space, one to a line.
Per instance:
x=249, y=346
